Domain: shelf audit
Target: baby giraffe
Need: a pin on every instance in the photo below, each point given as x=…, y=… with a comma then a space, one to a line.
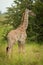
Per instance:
x=19, y=35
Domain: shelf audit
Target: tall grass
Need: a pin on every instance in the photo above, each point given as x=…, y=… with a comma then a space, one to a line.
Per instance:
x=33, y=55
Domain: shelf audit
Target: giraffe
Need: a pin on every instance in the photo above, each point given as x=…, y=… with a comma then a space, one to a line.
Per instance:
x=18, y=35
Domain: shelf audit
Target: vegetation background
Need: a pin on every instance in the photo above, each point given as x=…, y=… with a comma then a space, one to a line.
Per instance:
x=34, y=43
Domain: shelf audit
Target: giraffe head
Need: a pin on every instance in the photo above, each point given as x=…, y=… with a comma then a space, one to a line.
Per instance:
x=30, y=12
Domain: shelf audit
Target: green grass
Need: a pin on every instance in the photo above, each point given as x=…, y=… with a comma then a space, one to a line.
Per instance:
x=2, y=17
x=33, y=55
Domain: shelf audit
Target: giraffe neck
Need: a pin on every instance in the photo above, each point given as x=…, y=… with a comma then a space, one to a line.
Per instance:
x=25, y=20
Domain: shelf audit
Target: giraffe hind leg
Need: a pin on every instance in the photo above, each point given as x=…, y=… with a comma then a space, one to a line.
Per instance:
x=9, y=48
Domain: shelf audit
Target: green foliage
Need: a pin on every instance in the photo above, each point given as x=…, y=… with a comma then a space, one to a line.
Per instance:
x=14, y=13
x=4, y=29
x=38, y=8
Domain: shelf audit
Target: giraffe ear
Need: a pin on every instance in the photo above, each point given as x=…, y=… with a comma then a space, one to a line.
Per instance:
x=32, y=13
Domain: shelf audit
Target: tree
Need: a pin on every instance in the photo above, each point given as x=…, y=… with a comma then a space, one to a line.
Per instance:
x=38, y=8
x=14, y=13
x=35, y=27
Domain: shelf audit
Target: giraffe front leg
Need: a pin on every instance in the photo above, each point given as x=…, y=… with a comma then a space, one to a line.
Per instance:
x=21, y=46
